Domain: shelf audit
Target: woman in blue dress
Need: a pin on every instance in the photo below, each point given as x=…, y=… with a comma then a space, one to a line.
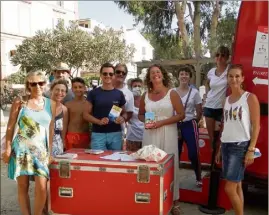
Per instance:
x=29, y=142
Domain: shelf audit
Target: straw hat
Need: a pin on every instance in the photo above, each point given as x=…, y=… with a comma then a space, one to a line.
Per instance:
x=62, y=67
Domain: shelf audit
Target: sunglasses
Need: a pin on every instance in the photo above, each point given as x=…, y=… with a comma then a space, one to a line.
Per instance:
x=34, y=84
x=119, y=72
x=108, y=74
x=222, y=55
x=137, y=86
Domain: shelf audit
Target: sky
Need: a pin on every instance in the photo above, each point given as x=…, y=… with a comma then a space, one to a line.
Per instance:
x=106, y=12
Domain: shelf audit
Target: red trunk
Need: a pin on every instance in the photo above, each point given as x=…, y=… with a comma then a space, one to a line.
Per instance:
x=101, y=187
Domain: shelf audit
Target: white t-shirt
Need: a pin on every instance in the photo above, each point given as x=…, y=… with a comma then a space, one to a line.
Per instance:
x=135, y=127
x=129, y=105
x=218, y=87
x=194, y=100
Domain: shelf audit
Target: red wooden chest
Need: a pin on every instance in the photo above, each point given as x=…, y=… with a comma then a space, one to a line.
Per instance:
x=89, y=185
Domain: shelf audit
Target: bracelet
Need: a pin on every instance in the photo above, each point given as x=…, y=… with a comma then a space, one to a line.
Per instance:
x=251, y=150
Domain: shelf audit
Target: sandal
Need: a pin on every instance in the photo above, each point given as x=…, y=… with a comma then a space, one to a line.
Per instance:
x=176, y=210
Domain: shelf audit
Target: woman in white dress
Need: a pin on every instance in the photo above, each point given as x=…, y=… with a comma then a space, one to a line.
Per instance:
x=167, y=107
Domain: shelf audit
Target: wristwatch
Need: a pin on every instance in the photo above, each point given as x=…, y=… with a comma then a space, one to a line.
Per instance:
x=251, y=149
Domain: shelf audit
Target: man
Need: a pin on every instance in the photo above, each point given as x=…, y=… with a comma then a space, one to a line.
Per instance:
x=106, y=129
x=121, y=72
x=61, y=72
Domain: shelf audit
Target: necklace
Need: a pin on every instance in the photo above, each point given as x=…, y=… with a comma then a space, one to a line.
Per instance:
x=39, y=103
x=156, y=92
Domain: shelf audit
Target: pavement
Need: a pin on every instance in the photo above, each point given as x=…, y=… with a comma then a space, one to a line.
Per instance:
x=256, y=201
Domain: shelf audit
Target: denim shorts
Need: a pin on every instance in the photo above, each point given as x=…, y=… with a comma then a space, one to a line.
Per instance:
x=215, y=114
x=107, y=141
x=233, y=156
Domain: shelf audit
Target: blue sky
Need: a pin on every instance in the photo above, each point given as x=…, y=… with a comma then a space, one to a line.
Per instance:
x=106, y=12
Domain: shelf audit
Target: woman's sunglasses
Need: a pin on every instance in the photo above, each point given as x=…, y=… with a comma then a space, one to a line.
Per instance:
x=108, y=74
x=34, y=84
x=119, y=72
x=218, y=54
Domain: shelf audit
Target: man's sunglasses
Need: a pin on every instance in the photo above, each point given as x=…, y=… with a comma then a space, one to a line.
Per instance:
x=137, y=86
x=108, y=74
x=34, y=84
x=222, y=55
x=119, y=72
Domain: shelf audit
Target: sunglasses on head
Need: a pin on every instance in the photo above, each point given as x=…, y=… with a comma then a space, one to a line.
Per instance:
x=118, y=72
x=40, y=83
x=108, y=74
x=218, y=54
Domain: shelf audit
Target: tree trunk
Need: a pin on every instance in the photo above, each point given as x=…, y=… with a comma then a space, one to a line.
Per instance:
x=180, y=11
x=213, y=29
x=196, y=24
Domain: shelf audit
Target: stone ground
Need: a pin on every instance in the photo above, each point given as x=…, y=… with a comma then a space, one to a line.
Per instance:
x=256, y=202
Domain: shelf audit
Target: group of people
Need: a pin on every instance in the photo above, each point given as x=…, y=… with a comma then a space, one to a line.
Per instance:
x=53, y=118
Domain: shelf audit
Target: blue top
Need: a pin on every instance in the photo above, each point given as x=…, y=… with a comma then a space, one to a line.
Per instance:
x=102, y=102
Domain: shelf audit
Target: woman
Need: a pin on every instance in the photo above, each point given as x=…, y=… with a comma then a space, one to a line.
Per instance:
x=28, y=155
x=135, y=127
x=239, y=136
x=59, y=89
x=192, y=102
x=216, y=91
x=166, y=105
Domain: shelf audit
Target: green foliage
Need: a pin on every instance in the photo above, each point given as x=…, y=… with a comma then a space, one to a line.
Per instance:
x=158, y=16
x=73, y=46
x=17, y=78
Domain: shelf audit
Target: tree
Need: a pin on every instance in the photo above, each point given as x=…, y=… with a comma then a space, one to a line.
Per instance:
x=107, y=45
x=73, y=46
x=158, y=16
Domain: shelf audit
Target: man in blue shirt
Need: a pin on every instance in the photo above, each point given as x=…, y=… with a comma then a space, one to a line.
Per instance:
x=106, y=132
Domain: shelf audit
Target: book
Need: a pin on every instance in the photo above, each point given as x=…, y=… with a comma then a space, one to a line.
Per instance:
x=114, y=113
x=67, y=156
x=94, y=151
x=149, y=119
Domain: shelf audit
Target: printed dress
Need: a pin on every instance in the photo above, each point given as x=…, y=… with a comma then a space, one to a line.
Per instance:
x=30, y=147
x=57, y=145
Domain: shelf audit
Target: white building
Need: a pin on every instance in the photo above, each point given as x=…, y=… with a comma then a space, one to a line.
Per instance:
x=143, y=49
x=21, y=19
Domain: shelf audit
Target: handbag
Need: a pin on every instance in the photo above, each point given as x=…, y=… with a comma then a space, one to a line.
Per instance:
x=16, y=129
x=179, y=134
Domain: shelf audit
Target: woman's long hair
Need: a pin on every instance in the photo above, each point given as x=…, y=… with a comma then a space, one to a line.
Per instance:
x=166, y=78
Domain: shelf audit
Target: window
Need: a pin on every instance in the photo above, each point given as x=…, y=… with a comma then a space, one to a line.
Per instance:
x=60, y=3
x=86, y=26
x=143, y=50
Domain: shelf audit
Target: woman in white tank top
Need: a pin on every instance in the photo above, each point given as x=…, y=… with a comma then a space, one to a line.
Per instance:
x=239, y=136
x=167, y=107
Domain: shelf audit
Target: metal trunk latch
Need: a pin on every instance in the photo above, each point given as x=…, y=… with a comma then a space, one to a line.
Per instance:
x=142, y=197
x=143, y=174
x=64, y=169
x=66, y=192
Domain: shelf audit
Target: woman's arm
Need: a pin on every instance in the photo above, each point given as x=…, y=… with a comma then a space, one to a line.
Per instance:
x=65, y=124
x=13, y=115
x=254, y=110
x=178, y=107
x=51, y=127
x=142, y=110
x=207, y=86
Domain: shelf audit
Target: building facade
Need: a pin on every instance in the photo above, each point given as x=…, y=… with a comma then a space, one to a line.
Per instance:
x=21, y=19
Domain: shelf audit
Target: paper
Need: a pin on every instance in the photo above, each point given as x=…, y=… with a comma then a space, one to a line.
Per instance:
x=122, y=156
x=149, y=119
x=260, y=57
x=114, y=113
x=67, y=156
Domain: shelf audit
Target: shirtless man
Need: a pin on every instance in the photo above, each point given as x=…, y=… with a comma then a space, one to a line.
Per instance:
x=78, y=129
